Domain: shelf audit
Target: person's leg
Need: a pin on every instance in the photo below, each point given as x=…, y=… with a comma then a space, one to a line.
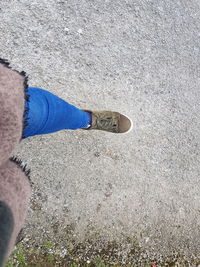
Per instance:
x=47, y=113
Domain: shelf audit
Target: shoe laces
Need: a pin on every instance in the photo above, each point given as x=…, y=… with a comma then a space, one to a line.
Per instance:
x=105, y=122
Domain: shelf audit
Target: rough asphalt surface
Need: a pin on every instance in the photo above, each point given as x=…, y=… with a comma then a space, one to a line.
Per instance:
x=141, y=58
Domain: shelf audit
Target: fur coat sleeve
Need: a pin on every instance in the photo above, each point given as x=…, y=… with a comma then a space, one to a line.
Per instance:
x=15, y=187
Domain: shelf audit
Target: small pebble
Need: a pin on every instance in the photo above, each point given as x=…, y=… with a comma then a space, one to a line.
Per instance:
x=66, y=30
x=80, y=31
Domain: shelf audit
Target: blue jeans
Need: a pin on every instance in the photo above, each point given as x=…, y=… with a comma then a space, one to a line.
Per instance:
x=48, y=113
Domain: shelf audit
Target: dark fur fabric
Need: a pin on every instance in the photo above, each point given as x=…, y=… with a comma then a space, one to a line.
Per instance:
x=23, y=167
x=6, y=229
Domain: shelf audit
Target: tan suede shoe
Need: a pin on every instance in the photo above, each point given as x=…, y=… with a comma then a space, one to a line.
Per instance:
x=110, y=121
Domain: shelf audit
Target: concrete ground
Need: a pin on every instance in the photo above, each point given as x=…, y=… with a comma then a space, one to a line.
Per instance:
x=142, y=58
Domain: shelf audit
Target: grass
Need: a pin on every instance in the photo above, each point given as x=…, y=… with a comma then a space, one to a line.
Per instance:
x=46, y=256
x=50, y=260
x=48, y=245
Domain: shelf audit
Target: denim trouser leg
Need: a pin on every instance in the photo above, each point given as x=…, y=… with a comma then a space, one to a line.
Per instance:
x=48, y=113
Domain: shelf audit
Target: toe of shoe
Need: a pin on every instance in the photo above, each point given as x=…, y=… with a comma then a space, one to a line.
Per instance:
x=125, y=124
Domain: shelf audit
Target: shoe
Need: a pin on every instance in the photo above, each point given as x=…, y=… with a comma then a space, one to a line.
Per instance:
x=110, y=121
